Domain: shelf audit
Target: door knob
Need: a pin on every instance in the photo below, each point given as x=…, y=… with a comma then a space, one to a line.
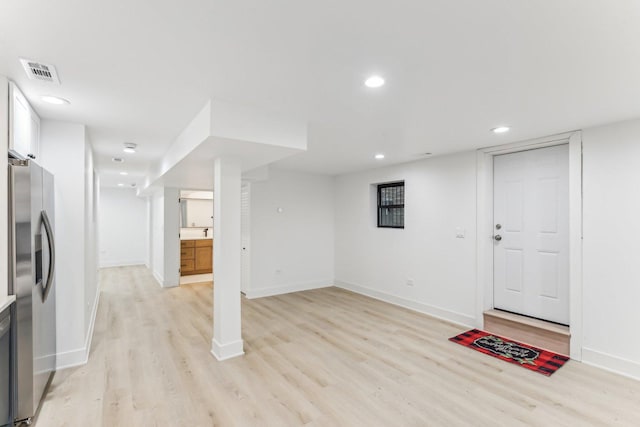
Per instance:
x=497, y=237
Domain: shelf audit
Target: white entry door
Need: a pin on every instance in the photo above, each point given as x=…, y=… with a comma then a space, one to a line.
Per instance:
x=531, y=233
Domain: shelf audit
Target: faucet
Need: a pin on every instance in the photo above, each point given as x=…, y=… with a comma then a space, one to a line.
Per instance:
x=205, y=232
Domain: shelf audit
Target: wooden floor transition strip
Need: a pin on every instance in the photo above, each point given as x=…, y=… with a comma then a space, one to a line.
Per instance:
x=546, y=335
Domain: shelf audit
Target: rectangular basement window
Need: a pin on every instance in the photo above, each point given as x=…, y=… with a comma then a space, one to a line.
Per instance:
x=391, y=205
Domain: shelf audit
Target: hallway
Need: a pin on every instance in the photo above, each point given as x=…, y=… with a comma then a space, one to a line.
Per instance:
x=322, y=357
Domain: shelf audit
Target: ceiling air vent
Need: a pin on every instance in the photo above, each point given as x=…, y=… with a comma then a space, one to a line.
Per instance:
x=37, y=71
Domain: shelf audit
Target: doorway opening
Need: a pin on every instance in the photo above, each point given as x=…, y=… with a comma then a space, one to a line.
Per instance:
x=196, y=236
x=529, y=235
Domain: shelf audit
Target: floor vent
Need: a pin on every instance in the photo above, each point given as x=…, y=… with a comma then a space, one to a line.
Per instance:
x=38, y=71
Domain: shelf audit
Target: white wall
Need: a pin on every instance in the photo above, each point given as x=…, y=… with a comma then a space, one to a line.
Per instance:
x=611, y=246
x=440, y=196
x=65, y=152
x=292, y=250
x=4, y=146
x=123, y=228
x=165, y=243
x=171, y=237
x=90, y=237
x=157, y=236
x=149, y=242
x=242, y=123
x=323, y=216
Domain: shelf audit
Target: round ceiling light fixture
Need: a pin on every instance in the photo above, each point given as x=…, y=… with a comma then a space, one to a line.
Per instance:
x=501, y=129
x=129, y=147
x=124, y=173
x=374, y=82
x=55, y=100
x=120, y=185
x=379, y=156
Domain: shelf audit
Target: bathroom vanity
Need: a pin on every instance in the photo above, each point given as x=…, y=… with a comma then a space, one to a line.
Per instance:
x=196, y=256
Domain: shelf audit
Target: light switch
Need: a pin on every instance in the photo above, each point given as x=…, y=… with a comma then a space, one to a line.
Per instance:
x=460, y=232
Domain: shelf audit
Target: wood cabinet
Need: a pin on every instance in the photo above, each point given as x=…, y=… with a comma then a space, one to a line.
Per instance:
x=196, y=256
x=24, y=125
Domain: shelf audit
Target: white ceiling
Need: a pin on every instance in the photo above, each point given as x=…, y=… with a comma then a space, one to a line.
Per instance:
x=139, y=70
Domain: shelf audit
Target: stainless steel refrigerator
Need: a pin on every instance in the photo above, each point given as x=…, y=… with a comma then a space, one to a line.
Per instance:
x=32, y=281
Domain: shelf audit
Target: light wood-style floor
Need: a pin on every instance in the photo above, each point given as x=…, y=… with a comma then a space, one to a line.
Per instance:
x=320, y=358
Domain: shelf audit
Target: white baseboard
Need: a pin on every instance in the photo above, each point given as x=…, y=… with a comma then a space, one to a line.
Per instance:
x=80, y=356
x=92, y=323
x=72, y=358
x=608, y=362
x=121, y=263
x=285, y=289
x=163, y=283
x=158, y=278
x=227, y=351
x=166, y=284
x=44, y=363
x=440, y=313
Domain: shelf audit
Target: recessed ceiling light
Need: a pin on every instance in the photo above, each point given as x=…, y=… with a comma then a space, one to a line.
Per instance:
x=55, y=100
x=124, y=173
x=379, y=156
x=120, y=185
x=129, y=147
x=117, y=159
x=501, y=129
x=374, y=82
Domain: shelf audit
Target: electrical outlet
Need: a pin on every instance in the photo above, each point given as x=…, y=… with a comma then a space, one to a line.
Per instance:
x=409, y=281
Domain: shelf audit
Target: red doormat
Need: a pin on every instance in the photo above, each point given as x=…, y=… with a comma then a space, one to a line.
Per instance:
x=536, y=359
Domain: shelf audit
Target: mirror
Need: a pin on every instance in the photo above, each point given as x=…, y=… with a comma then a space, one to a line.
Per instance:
x=196, y=213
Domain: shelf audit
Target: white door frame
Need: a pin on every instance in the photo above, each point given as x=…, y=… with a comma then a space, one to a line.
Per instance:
x=484, y=241
x=245, y=230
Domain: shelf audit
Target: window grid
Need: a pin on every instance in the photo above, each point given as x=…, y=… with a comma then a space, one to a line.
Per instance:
x=391, y=205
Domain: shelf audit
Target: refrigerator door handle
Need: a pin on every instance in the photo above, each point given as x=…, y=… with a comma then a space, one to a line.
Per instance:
x=12, y=232
x=52, y=255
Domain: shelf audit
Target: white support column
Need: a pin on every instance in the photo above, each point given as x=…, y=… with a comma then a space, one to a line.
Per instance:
x=227, y=336
x=171, y=238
